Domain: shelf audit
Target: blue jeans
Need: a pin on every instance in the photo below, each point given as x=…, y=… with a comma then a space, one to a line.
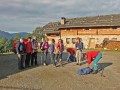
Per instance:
x=45, y=56
x=98, y=57
x=52, y=55
x=68, y=56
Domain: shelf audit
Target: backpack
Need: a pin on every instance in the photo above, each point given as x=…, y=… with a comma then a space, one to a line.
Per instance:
x=84, y=71
x=44, y=45
x=23, y=49
x=61, y=48
x=72, y=58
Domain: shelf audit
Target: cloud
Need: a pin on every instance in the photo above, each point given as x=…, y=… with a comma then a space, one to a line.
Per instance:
x=26, y=15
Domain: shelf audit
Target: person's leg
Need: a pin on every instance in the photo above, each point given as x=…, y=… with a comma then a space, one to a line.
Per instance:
x=32, y=59
x=19, y=63
x=52, y=58
x=80, y=55
x=26, y=61
x=56, y=57
x=77, y=57
x=68, y=58
x=45, y=57
x=30, y=56
x=99, y=56
x=22, y=61
x=35, y=56
x=60, y=57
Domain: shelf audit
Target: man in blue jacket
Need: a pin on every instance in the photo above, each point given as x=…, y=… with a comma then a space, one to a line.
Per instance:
x=52, y=55
x=21, y=53
x=79, y=48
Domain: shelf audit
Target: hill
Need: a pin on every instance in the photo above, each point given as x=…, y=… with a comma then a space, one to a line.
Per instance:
x=10, y=35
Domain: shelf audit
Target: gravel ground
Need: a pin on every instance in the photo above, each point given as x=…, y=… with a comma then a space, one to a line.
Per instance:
x=59, y=78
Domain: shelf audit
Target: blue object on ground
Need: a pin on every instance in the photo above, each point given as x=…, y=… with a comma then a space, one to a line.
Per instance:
x=84, y=71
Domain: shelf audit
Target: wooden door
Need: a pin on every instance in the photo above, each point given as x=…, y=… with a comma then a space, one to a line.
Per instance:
x=92, y=43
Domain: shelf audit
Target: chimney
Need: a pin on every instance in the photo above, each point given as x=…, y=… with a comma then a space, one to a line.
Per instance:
x=63, y=20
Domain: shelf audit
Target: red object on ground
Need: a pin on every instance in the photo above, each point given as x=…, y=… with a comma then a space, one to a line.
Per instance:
x=92, y=54
x=71, y=51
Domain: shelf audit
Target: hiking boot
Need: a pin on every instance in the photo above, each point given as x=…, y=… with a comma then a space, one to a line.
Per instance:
x=94, y=72
x=77, y=64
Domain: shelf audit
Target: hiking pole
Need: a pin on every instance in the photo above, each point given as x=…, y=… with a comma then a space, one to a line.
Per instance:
x=102, y=73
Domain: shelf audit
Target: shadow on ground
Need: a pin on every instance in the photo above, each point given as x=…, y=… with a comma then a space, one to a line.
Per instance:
x=9, y=64
x=104, y=65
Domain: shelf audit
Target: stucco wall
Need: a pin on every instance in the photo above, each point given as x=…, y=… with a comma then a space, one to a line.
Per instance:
x=85, y=39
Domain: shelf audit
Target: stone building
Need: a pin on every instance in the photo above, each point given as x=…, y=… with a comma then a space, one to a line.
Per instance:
x=92, y=30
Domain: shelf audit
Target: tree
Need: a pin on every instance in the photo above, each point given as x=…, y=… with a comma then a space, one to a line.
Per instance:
x=38, y=33
x=3, y=43
x=18, y=36
x=28, y=35
x=9, y=45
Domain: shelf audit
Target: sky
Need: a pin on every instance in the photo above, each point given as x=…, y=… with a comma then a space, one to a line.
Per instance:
x=26, y=15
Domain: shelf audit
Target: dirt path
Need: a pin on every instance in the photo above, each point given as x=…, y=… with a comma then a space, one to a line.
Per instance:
x=60, y=78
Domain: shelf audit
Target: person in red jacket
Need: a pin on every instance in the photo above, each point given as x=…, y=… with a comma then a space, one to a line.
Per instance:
x=29, y=52
x=94, y=56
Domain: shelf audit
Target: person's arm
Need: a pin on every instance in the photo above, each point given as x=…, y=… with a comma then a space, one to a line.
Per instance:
x=81, y=45
x=42, y=46
x=17, y=50
x=53, y=48
x=32, y=43
x=50, y=48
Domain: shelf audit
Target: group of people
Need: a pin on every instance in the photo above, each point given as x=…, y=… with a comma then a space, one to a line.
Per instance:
x=56, y=50
x=27, y=53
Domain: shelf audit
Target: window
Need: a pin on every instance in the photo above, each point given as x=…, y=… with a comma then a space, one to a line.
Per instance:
x=114, y=39
x=105, y=41
x=67, y=40
x=73, y=40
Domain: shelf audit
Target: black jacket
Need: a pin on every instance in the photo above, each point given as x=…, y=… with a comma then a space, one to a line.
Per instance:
x=21, y=49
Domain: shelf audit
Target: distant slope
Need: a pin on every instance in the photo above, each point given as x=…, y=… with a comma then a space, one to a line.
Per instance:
x=10, y=35
x=6, y=34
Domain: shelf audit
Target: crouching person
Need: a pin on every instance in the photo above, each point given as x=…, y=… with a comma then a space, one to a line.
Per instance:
x=21, y=53
x=94, y=56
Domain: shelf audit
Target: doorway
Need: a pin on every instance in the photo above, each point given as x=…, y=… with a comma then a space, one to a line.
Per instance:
x=92, y=43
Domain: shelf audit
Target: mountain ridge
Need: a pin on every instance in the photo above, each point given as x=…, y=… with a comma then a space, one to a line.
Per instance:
x=10, y=35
